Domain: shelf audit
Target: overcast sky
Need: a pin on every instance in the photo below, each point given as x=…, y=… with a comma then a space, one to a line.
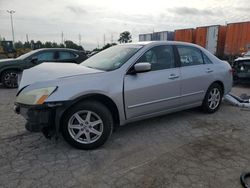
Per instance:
x=45, y=20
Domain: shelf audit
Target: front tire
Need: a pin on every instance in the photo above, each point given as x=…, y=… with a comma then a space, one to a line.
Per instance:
x=213, y=97
x=9, y=79
x=87, y=125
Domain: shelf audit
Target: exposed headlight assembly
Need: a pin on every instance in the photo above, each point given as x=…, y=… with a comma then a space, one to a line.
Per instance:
x=36, y=96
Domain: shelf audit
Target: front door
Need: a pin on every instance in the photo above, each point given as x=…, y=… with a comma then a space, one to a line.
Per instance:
x=154, y=91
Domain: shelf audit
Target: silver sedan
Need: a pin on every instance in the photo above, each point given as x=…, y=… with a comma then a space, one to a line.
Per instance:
x=122, y=84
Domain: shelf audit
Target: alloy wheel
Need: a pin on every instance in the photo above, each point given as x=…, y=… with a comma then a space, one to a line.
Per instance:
x=85, y=126
x=214, y=98
x=10, y=79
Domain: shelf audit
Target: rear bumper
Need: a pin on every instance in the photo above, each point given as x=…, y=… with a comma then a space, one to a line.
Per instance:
x=38, y=117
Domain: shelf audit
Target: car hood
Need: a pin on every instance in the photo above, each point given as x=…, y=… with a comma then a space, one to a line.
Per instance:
x=8, y=61
x=52, y=71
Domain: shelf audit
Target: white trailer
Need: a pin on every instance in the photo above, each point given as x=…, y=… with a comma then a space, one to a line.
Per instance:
x=212, y=39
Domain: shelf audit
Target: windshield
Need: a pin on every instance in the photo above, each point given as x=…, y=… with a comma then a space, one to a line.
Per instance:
x=24, y=56
x=112, y=58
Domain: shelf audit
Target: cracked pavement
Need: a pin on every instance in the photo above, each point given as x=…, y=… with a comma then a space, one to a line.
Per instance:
x=184, y=149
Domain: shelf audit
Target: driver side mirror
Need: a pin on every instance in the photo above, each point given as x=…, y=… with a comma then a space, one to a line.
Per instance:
x=34, y=59
x=142, y=67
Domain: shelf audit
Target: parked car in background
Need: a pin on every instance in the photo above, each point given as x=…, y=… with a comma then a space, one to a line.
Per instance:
x=247, y=54
x=121, y=84
x=241, y=70
x=10, y=68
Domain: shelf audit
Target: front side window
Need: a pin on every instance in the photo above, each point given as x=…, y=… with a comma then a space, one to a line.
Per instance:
x=66, y=55
x=190, y=56
x=160, y=57
x=45, y=56
x=111, y=58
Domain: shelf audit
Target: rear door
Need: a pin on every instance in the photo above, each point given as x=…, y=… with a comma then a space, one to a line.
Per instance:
x=154, y=91
x=197, y=74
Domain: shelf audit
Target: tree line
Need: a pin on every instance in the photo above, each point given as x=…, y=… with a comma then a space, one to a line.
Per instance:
x=124, y=37
x=38, y=44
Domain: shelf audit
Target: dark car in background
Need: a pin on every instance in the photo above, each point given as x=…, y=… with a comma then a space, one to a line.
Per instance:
x=10, y=68
x=241, y=70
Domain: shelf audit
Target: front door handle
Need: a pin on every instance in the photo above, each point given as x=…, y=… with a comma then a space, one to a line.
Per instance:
x=173, y=76
x=209, y=70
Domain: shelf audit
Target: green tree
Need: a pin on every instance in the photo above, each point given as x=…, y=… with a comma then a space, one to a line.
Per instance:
x=32, y=44
x=71, y=44
x=27, y=45
x=125, y=37
x=55, y=45
x=61, y=46
x=48, y=44
x=19, y=45
x=108, y=45
x=39, y=44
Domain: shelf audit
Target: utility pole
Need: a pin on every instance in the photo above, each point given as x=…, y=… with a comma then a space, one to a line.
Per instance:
x=11, y=20
x=111, y=38
x=104, y=40
x=80, y=40
x=62, y=38
x=27, y=38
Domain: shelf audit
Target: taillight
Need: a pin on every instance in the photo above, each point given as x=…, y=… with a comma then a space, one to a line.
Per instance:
x=231, y=71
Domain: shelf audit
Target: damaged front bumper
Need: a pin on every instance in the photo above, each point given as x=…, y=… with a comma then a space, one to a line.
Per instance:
x=40, y=118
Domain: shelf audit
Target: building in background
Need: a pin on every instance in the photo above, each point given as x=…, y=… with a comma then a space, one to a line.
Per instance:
x=157, y=36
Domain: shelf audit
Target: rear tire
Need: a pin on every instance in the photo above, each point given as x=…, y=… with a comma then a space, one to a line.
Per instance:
x=9, y=78
x=87, y=125
x=213, y=97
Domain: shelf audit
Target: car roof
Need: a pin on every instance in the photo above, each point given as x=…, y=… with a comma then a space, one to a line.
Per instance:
x=56, y=49
x=152, y=43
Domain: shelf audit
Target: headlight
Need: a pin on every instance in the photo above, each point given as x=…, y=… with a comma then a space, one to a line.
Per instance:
x=37, y=96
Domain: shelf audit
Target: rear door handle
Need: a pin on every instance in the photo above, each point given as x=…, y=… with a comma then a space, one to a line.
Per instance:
x=209, y=70
x=173, y=76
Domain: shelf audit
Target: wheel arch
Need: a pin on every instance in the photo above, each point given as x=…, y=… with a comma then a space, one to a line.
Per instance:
x=7, y=69
x=221, y=84
x=105, y=100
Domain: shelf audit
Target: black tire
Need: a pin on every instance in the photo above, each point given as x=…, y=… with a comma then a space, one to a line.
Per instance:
x=96, y=108
x=9, y=78
x=205, y=105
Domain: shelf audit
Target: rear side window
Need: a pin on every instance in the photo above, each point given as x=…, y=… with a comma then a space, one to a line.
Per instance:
x=206, y=59
x=45, y=56
x=66, y=55
x=160, y=57
x=190, y=56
